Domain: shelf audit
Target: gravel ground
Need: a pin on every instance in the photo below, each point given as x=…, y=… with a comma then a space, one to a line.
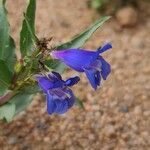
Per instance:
x=117, y=116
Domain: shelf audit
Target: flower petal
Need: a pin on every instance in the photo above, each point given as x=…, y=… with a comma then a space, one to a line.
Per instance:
x=75, y=58
x=70, y=100
x=57, y=75
x=61, y=106
x=59, y=93
x=50, y=81
x=106, y=69
x=96, y=65
x=104, y=48
x=98, y=78
x=63, y=99
x=72, y=81
x=51, y=106
x=91, y=76
x=44, y=83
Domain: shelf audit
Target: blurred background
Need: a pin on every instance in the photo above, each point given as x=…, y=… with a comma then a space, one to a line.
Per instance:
x=117, y=115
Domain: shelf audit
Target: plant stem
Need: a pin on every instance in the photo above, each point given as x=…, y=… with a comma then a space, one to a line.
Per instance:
x=6, y=97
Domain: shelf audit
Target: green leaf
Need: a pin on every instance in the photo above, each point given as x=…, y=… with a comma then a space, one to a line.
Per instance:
x=7, y=111
x=27, y=34
x=5, y=77
x=11, y=58
x=2, y=90
x=97, y=3
x=55, y=65
x=21, y=101
x=31, y=89
x=32, y=32
x=79, y=103
x=79, y=40
x=7, y=46
x=17, y=104
x=60, y=68
x=51, y=63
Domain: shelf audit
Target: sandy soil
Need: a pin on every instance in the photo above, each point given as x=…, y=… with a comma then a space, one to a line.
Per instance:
x=117, y=116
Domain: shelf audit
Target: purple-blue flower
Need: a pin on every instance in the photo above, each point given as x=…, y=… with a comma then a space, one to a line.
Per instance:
x=90, y=62
x=58, y=94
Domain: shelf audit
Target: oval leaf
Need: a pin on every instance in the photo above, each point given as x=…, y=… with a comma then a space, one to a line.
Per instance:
x=5, y=77
x=21, y=101
x=7, y=46
x=7, y=111
x=27, y=34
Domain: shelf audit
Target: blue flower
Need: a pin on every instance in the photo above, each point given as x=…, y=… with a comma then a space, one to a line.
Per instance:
x=58, y=94
x=89, y=62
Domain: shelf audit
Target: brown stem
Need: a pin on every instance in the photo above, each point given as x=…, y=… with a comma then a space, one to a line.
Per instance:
x=6, y=97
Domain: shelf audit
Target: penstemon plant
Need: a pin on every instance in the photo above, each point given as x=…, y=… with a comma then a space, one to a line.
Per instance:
x=39, y=68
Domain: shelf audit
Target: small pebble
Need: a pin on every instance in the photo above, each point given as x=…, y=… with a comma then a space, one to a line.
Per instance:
x=127, y=16
x=12, y=140
x=124, y=109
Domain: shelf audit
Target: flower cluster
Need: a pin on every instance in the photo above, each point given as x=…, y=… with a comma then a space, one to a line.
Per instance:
x=58, y=94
